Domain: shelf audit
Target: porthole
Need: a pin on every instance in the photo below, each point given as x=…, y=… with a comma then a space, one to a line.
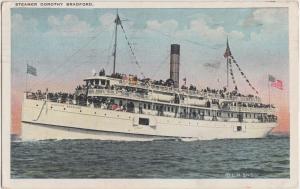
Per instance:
x=36, y=105
x=94, y=112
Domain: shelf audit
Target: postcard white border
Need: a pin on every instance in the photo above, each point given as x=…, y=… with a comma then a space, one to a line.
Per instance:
x=7, y=182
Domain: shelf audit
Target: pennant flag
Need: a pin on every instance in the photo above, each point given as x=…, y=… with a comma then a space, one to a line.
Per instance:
x=227, y=51
x=278, y=84
x=31, y=70
x=271, y=78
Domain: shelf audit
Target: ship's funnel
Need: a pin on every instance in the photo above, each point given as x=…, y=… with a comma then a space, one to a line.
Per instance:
x=174, y=64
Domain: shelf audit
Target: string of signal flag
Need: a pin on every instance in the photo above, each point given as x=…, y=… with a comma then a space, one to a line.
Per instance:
x=230, y=57
x=274, y=83
x=119, y=22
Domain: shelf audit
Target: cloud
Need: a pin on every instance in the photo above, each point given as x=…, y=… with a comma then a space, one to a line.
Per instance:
x=167, y=25
x=107, y=21
x=197, y=29
x=266, y=17
x=273, y=23
x=202, y=28
x=207, y=32
x=69, y=25
x=235, y=35
x=23, y=25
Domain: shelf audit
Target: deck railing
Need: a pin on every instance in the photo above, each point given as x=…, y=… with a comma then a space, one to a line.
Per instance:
x=95, y=92
x=190, y=92
x=252, y=109
x=139, y=96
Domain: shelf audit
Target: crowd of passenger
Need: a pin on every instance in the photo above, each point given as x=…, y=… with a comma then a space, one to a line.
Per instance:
x=133, y=79
x=61, y=97
x=80, y=95
x=81, y=99
x=226, y=93
x=128, y=106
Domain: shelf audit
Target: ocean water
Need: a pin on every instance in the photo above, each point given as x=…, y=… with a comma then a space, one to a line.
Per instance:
x=246, y=158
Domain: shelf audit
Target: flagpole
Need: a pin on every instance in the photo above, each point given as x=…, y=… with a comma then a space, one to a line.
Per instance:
x=269, y=91
x=227, y=53
x=26, y=79
x=227, y=74
x=116, y=39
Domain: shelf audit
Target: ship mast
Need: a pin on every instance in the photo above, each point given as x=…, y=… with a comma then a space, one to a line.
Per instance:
x=117, y=22
x=227, y=64
x=227, y=55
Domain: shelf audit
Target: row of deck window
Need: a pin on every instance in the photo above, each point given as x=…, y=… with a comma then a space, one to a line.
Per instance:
x=202, y=112
x=171, y=109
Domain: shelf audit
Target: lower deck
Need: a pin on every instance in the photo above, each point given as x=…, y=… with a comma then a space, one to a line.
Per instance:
x=40, y=118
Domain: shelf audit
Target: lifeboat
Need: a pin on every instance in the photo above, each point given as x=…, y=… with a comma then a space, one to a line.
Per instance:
x=195, y=102
x=162, y=97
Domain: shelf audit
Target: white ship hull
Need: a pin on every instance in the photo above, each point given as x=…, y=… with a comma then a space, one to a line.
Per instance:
x=47, y=120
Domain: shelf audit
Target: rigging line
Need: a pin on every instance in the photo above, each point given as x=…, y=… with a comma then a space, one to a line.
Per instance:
x=232, y=74
x=187, y=40
x=67, y=59
x=244, y=76
x=161, y=65
x=131, y=49
x=78, y=65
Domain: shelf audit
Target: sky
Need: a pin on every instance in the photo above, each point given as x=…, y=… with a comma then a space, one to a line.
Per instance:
x=68, y=45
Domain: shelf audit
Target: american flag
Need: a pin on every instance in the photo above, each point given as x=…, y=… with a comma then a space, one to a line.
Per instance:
x=278, y=84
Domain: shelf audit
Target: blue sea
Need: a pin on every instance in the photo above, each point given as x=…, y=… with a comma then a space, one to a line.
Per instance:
x=243, y=158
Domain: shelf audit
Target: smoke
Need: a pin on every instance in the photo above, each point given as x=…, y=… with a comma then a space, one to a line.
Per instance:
x=212, y=65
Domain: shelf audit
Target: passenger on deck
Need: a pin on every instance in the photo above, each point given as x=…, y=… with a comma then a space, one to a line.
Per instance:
x=102, y=72
x=208, y=104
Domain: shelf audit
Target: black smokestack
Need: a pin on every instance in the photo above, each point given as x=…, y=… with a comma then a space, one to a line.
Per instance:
x=174, y=64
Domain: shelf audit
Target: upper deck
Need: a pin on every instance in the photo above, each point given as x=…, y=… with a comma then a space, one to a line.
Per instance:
x=104, y=81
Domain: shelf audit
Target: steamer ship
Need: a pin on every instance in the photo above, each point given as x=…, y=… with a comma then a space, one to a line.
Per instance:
x=124, y=107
